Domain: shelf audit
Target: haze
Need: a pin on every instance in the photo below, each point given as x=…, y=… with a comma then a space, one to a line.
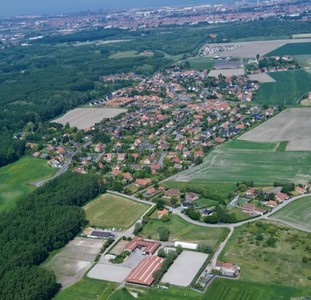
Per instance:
x=18, y=7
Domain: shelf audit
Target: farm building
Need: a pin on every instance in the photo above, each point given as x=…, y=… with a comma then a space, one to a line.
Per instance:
x=227, y=269
x=185, y=245
x=101, y=234
x=149, y=247
x=142, y=274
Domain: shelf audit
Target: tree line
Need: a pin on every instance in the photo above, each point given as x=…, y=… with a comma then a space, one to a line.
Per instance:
x=42, y=222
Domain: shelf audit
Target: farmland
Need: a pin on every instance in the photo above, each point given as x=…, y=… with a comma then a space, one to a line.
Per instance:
x=292, y=49
x=181, y=230
x=238, y=290
x=249, y=145
x=83, y=118
x=15, y=178
x=201, y=63
x=297, y=214
x=235, y=165
x=289, y=87
x=106, y=210
x=87, y=289
x=270, y=253
x=291, y=125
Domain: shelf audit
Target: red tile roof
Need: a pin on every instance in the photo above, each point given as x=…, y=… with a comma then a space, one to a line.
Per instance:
x=142, y=274
x=150, y=247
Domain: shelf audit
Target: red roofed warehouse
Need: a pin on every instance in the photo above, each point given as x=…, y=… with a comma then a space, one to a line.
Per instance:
x=142, y=274
x=150, y=247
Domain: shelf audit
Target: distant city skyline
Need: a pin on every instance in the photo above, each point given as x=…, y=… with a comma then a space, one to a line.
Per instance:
x=10, y=8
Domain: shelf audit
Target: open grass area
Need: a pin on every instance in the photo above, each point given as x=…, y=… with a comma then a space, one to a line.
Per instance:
x=289, y=87
x=297, y=213
x=203, y=202
x=14, y=179
x=292, y=49
x=201, y=63
x=237, y=165
x=249, y=145
x=216, y=190
x=113, y=211
x=270, y=253
x=222, y=289
x=87, y=289
x=181, y=230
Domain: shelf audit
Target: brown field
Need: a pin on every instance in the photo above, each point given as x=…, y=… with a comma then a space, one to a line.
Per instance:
x=251, y=49
x=83, y=118
x=226, y=72
x=292, y=125
x=262, y=78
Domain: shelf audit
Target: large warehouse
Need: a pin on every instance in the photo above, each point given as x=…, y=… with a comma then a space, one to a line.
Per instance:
x=142, y=274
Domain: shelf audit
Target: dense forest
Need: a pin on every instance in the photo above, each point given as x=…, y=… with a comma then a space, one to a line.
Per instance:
x=42, y=222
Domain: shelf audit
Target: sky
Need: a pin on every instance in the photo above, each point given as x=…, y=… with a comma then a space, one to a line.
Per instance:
x=18, y=7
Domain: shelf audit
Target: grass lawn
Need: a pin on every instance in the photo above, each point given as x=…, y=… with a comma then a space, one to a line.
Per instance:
x=14, y=179
x=263, y=262
x=219, y=190
x=289, y=87
x=224, y=289
x=297, y=213
x=123, y=54
x=249, y=145
x=203, y=202
x=181, y=230
x=236, y=165
x=113, y=211
x=201, y=63
x=292, y=49
x=239, y=214
x=87, y=289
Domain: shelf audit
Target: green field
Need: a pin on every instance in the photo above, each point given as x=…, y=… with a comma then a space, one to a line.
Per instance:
x=297, y=213
x=292, y=49
x=263, y=262
x=263, y=167
x=249, y=145
x=14, y=179
x=113, y=211
x=289, y=87
x=201, y=63
x=87, y=289
x=216, y=190
x=181, y=230
x=222, y=289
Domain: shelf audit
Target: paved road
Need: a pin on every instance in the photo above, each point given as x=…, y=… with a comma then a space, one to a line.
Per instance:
x=177, y=211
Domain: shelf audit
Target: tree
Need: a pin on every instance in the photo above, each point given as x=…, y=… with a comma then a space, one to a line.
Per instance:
x=160, y=204
x=137, y=228
x=163, y=234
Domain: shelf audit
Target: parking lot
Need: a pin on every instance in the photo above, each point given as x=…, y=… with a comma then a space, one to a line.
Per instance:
x=184, y=268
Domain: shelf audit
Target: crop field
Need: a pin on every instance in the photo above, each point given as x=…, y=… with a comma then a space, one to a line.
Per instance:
x=221, y=289
x=288, y=89
x=292, y=125
x=226, y=72
x=128, y=54
x=264, y=168
x=249, y=145
x=83, y=118
x=87, y=289
x=292, y=49
x=201, y=63
x=181, y=230
x=15, y=178
x=262, y=77
x=106, y=211
x=297, y=214
x=270, y=253
x=252, y=48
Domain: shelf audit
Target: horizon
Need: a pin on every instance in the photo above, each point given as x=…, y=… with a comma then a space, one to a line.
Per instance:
x=38, y=7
